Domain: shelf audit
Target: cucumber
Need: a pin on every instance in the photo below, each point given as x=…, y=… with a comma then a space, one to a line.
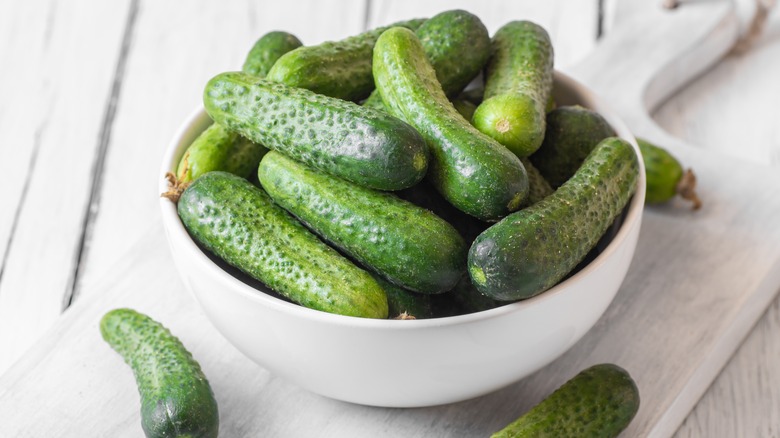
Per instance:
x=216, y=148
x=340, y=69
x=600, y=401
x=176, y=398
x=463, y=299
x=472, y=171
x=362, y=145
x=665, y=176
x=404, y=304
x=572, y=133
x=531, y=250
x=267, y=50
x=538, y=187
x=405, y=244
x=457, y=45
x=518, y=83
x=464, y=107
x=240, y=224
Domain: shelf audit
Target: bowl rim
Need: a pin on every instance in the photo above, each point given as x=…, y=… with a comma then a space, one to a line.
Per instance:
x=176, y=229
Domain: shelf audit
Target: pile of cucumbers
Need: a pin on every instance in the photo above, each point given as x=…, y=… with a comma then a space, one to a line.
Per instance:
x=357, y=177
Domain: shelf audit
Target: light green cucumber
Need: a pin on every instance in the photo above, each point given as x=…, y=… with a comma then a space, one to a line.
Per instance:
x=599, y=402
x=176, y=398
x=240, y=224
x=362, y=145
x=666, y=177
x=267, y=50
x=518, y=83
x=340, y=69
x=406, y=244
x=531, y=250
x=457, y=45
x=472, y=171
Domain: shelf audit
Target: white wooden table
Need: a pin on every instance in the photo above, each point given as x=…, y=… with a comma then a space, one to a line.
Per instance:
x=93, y=90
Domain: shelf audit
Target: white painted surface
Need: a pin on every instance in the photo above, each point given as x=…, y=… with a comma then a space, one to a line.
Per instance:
x=739, y=404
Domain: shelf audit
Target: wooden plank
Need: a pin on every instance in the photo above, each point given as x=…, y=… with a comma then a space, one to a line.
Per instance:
x=178, y=48
x=572, y=24
x=57, y=84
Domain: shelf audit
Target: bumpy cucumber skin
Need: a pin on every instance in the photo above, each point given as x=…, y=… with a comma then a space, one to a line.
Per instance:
x=362, y=145
x=663, y=171
x=457, y=45
x=267, y=50
x=600, y=401
x=219, y=149
x=531, y=250
x=406, y=244
x=340, y=69
x=176, y=398
x=472, y=171
x=405, y=304
x=538, y=187
x=572, y=133
x=518, y=83
x=240, y=224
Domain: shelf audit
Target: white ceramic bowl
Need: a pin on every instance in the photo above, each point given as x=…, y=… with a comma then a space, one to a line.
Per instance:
x=406, y=363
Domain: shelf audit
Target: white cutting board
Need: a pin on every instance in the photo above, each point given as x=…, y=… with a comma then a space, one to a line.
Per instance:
x=698, y=282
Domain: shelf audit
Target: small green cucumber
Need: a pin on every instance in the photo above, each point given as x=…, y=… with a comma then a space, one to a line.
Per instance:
x=538, y=187
x=572, y=133
x=518, y=83
x=176, y=398
x=362, y=145
x=600, y=402
x=405, y=304
x=406, y=244
x=666, y=177
x=219, y=149
x=340, y=69
x=241, y=225
x=472, y=171
x=464, y=107
x=531, y=250
x=267, y=50
x=457, y=45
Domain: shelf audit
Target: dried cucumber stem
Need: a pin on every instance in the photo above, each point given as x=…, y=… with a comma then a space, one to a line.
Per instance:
x=405, y=316
x=686, y=188
x=175, y=187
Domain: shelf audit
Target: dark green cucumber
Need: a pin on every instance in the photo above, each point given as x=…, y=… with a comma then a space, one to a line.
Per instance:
x=241, y=225
x=463, y=299
x=531, y=250
x=464, y=107
x=176, y=399
x=666, y=177
x=405, y=244
x=457, y=45
x=362, y=145
x=267, y=50
x=538, y=187
x=572, y=133
x=219, y=149
x=600, y=402
x=518, y=83
x=339, y=69
x=405, y=304
x=472, y=171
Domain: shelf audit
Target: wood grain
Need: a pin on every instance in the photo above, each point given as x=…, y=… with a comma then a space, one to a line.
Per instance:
x=59, y=68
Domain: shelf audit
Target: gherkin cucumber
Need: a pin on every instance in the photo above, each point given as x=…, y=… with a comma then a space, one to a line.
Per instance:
x=176, y=398
x=362, y=145
x=464, y=107
x=518, y=83
x=405, y=244
x=457, y=45
x=267, y=50
x=531, y=250
x=339, y=69
x=572, y=133
x=600, y=402
x=241, y=225
x=405, y=304
x=472, y=171
x=665, y=176
x=538, y=187
x=216, y=148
